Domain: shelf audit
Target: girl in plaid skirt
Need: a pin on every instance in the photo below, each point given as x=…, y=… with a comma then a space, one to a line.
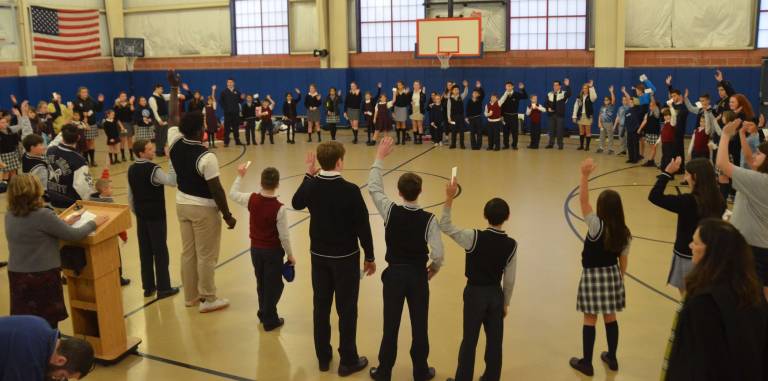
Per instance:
x=604, y=259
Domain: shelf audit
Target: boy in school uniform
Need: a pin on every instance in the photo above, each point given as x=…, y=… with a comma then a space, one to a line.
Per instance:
x=413, y=238
x=33, y=161
x=270, y=241
x=146, y=195
x=490, y=255
x=339, y=219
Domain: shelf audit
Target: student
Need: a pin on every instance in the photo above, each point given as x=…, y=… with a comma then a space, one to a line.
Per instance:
x=158, y=103
x=634, y=116
x=556, y=103
x=266, y=126
x=10, y=136
x=720, y=332
x=413, y=238
x=332, y=103
x=475, y=117
x=74, y=181
x=211, y=122
x=704, y=201
x=583, y=110
x=34, y=161
x=270, y=241
x=87, y=108
x=437, y=119
x=196, y=102
x=750, y=208
x=619, y=125
x=369, y=109
x=534, y=112
x=510, y=104
x=290, y=117
x=145, y=126
x=749, y=138
x=199, y=200
x=104, y=193
x=491, y=256
x=248, y=110
x=352, y=109
x=682, y=119
x=31, y=350
x=230, y=100
x=338, y=220
x=418, y=108
x=312, y=103
x=667, y=137
x=112, y=130
x=493, y=113
x=455, y=114
x=605, y=123
x=146, y=196
x=383, y=118
x=604, y=261
x=700, y=140
x=401, y=100
x=124, y=109
x=650, y=129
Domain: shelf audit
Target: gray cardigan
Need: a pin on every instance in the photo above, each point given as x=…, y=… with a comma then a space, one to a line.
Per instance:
x=33, y=240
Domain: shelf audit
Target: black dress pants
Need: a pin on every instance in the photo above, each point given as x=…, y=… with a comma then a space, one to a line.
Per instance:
x=511, y=127
x=483, y=307
x=268, y=268
x=153, y=254
x=401, y=283
x=339, y=277
x=231, y=125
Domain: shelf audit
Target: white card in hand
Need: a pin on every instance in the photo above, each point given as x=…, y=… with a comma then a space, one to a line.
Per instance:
x=454, y=172
x=247, y=164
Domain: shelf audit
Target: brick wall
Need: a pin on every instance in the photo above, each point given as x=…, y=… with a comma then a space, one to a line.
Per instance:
x=574, y=58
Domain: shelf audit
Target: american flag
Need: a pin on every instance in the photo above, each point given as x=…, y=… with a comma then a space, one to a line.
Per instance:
x=65, y=34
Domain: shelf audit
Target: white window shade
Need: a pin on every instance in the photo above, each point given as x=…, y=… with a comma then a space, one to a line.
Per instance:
x=9, y=41
x=181, y=33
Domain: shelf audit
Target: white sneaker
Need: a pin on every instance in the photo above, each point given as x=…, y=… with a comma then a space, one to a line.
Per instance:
x=215, y=305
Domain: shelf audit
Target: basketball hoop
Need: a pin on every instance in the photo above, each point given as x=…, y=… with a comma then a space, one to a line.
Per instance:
x=445, y=60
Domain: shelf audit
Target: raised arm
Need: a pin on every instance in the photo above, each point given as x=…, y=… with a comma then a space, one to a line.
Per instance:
x=173, y=108
x=588, y=166
x=376, y=182
x=235, y=194
x=723, y=162
x=746, y=151
x=465, y=238
x=657, y=196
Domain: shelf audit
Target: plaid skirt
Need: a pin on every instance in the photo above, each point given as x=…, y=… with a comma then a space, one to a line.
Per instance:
x=332, y=118
x=353, y=114
x=38, y=294
x=400, y=114
x=601, y=291
x=12, y=161
x=92, y=132
x=651, y=138
x=146, y=133
x=313, y=115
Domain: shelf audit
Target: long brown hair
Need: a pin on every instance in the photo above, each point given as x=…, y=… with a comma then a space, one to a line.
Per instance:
x=610, y=210
x=25, y=195
x=746, y=106
x=706, y=191
x=727, y=261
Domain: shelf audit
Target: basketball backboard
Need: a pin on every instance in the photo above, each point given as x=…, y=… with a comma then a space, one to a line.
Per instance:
x=457, y=37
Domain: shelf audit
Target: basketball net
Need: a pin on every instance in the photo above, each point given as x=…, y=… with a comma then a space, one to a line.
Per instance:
x=445, y=60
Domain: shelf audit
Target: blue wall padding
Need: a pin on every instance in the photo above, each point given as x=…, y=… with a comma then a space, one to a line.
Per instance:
x=276, y=82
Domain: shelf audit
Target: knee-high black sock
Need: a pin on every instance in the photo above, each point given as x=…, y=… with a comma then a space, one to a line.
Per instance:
x=319, y=136
x=397, y=133
x=588, y=342
x=354, y=133
x=92, y=155
x=589, y=140
x=122, y=153
x=310, y=136
x=581, y=141
x=130, y=151
x=612, y=334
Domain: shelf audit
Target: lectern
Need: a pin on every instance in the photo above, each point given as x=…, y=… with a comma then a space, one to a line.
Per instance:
x=95, y=296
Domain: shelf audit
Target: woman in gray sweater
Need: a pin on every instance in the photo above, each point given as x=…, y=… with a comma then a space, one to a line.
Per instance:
x=33, y=233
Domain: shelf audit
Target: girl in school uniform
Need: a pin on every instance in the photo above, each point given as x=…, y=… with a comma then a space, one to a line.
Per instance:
x=418, y=108
x=667, y=136
x=455, y=114
x=704, y=201
x=352, y=109
x=699, y=146
x=312, y=103
x=650, y=130
x=249, y=112
x=583, y=111
x=436, y=119
x=112, y=130
x=369, y=108
x=124, y=108
x=401, y=98
x=87, y=108
x=604, y=261
x=382, y=118
x=332, y=104
x=9, y=147
x=289, y=114
x=265, y=114
x=211, y=121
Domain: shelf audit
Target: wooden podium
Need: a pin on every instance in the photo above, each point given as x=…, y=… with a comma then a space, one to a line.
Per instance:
x=95, y=295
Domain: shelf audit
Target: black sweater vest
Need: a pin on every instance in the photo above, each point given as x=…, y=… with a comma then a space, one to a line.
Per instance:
x=406, y=235
x=594, y=253
x=487, y=259
x=148, y=197
x=162, y=105
x=185, y=155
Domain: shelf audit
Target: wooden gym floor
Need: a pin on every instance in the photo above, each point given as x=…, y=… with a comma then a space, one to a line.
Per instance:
x=542, y=331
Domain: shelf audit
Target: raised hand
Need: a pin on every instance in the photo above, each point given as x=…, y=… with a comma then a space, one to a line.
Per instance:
x=668, y=81
x=297, y=90
x=100, y=98
x=131, y=100
x=521, y=85
x=242, y=169
x=310, y=162
x=451, y=189
x=610, y=89
x=588, y=166
x=465, y=83
x=674, y=165
x=25, y=108
x=591, y=83
x=730, y=128
x=174, y=79
x=718, y=75
x=213, y=87
x=378, y=85
x=478, y=84
x=13, y=99
x=185, y=86
x=385, y=148
x=567, y=82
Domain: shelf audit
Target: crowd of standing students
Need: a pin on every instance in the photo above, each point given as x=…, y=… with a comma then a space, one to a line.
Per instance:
x=720, y=268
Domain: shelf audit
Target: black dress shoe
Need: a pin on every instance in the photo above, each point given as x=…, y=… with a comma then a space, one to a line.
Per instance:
x=162, y=294
x=149, y=293
x=430, y=374
x=325, y=366
x=582, y=366
x=272, y=327
x=374, y=373
x=549, y=147
x=124, y=281
x=613, y=364
x=346, y=370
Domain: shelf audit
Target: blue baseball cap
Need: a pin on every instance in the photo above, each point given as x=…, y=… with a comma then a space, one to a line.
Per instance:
x=289, y=272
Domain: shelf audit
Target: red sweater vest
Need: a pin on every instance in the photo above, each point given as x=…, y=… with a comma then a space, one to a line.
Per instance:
x=701, y=141
x=264, y=221
x=668, y=133
x=495, y=110
x=535, y=115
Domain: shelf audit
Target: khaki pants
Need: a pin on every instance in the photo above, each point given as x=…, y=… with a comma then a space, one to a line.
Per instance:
x=201, y=238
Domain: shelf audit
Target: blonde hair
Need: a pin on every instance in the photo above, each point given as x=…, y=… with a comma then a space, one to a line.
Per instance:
x=25, y=195
x=102, y=184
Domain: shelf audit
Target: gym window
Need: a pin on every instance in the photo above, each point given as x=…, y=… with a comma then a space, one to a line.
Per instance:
x=260, y=26
x=547, y=24
x=389, y=25
x=762, y=25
